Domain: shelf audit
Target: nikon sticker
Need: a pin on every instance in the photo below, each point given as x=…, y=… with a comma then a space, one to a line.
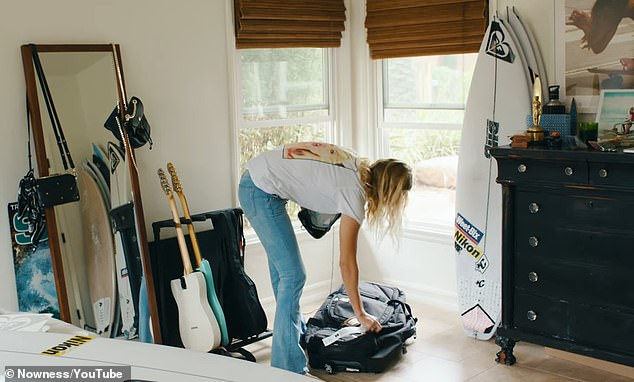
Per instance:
x=65, y=346
x=467, y=237
x=462, y=242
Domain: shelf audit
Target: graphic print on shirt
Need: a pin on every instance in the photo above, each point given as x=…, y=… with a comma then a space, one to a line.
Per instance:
x=320, y=152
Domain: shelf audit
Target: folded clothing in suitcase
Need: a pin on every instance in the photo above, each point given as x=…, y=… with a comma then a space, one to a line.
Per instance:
x=333, y=346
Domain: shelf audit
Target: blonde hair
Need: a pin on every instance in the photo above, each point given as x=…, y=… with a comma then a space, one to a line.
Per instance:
x=386, y=183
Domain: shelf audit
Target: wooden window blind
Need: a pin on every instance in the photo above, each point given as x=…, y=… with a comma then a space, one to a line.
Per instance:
x=404, y=28
x=289, y=23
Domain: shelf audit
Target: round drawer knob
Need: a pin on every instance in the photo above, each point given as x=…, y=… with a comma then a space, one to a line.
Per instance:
x=532, y=277
x=533, y=241
x=522, y=168
x=533, y=208
x=568, y=171
x=603, y=173
x=531, y=315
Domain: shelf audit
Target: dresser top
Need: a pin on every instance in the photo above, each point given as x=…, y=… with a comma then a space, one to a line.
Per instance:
x=537, y=152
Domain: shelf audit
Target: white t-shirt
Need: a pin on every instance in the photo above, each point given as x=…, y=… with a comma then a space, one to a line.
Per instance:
x=318, y=176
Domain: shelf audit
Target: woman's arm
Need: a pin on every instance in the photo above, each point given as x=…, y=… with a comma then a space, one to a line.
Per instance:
x=348, y=235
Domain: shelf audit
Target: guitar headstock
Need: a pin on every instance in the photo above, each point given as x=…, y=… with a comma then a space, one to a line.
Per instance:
x=176, y=183
x=164, y=183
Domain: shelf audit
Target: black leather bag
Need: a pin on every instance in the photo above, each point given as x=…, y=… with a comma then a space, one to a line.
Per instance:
x=134, y=122
x=316, y=223
x=57, y=189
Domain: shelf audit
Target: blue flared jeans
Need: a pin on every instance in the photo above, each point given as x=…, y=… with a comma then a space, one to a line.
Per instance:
x=268, y=217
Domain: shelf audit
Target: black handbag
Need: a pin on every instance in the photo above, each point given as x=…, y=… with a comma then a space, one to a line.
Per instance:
x=135, y=124
x=317, y=224
x=55, y=189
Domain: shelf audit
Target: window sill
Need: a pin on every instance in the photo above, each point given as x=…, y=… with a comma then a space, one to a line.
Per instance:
x=300, y=233
x=430, y=232
x=435, y=233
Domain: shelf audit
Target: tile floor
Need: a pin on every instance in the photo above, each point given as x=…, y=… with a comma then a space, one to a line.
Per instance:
x=442, y=353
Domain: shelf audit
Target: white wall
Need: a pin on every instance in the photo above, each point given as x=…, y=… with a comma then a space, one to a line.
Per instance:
x=175, y=59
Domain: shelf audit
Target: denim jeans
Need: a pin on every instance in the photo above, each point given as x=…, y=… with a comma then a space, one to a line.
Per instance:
x=268, y=217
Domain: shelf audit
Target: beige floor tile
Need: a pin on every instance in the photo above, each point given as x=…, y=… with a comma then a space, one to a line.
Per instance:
x=516, y=374
x=453, y=345
x=532, y=356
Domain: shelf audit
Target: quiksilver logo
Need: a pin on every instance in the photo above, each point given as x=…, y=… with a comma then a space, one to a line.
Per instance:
x=497, y=45
x=65, y=346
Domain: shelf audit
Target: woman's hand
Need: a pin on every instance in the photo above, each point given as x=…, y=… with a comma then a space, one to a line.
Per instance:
x=369, y=323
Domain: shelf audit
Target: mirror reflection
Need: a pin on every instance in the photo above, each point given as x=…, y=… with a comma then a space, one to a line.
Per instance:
x=97, y=239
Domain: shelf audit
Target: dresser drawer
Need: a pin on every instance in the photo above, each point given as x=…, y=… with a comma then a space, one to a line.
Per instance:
x=566, y=244
x=583, y=324
x=583, y=209
x=532, y=170
x=575, y=281
x=611, y=174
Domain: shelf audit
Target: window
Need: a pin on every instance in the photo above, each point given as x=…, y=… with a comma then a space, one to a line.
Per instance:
x=284, y=96
x=422, y=103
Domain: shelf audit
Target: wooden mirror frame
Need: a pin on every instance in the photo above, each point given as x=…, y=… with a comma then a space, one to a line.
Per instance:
x=43, y=170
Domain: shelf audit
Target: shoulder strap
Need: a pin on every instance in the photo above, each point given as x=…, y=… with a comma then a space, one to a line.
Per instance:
x=28, y=132
x=67, y=160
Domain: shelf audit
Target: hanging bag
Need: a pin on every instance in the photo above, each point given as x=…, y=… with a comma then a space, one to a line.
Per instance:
x=316, y=223
x=134, y=122
x=55, y=189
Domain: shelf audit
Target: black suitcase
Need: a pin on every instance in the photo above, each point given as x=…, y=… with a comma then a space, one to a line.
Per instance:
x=330, y=348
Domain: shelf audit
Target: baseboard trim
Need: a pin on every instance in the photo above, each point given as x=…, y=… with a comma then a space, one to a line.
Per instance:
x=314, y=293
x=420, y=293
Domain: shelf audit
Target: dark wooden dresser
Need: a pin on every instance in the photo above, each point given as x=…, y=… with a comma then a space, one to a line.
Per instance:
x=567, y=251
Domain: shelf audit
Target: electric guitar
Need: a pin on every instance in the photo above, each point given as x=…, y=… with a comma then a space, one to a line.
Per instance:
x=197, y=324
x=203, y=264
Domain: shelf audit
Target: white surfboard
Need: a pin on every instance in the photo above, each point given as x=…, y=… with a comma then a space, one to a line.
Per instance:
x=532, y=57
x=148, y=362
x=120, y=194
x=496, y=109
x=522, y=57
x=536, y=51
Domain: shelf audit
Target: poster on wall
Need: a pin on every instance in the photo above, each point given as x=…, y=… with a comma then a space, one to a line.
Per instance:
x=599, y=49
x=34, y=278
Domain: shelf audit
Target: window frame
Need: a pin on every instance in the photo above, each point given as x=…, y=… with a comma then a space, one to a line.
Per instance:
x=415, y=228
x=331, y=119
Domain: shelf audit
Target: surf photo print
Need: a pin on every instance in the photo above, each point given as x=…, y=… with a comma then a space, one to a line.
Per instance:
x=616, y=113
x=599, y=49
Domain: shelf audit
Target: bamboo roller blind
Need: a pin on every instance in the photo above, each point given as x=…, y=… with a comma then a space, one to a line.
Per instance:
x=289, y=23
x=402, y=28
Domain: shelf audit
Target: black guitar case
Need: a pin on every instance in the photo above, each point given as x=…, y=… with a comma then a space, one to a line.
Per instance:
x=222, y=244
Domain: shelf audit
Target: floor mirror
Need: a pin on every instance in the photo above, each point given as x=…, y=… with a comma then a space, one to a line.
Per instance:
x=98, y=245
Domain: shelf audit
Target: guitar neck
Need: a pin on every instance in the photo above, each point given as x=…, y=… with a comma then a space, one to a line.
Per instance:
x=190, y=227
x=182, y=244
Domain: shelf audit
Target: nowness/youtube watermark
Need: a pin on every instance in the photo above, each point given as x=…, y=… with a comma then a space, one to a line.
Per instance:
x=67, y=373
